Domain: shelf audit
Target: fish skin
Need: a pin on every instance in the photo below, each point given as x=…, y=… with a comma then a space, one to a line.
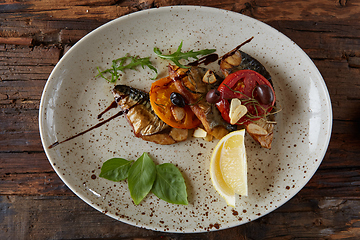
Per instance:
x=145, y=123
x=243, y=62
x=141, y=115
x=248, y=62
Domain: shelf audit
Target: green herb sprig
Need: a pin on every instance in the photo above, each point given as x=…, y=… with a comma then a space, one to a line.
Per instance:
x=120, y=65
x=164, y=180
x=178, y=55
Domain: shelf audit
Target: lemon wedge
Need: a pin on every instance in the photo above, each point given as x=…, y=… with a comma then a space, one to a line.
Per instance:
x=228, y=167
x=233, y=162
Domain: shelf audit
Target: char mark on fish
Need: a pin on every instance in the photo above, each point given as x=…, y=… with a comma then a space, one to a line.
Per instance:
x=145, y=123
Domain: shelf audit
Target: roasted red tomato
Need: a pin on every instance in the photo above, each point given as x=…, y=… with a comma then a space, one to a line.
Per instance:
x=160, y=99
x=254, y=91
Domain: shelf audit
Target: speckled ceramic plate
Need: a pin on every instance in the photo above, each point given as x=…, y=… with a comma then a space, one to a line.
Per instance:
x=73, y=97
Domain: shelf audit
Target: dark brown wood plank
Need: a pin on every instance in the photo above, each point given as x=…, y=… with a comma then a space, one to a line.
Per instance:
x=70, y=218
x=47, y=31
x=19, y=142
x=21, y=94
x=322, y=39
x=344, y=91
x=299, y=10
x=270, y=10
x=35, y=204
x=16, y=120
x=23, y=74
x=51, y=21
x=37, y=184
x=11, y=55
x=24, y=163
x=17, y=41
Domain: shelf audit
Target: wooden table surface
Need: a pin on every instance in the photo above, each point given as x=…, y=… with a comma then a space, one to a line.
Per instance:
x=36, y=204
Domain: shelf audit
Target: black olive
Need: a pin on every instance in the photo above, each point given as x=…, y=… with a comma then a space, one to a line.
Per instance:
x=264, y=94
x=177, y=99
x=213, y=96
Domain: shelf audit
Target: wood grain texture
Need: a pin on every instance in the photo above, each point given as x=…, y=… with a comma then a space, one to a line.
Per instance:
x=70, y=218
x=47, y=21
x=36, y=204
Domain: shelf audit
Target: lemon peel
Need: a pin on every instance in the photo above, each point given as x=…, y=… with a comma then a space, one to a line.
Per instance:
x=233, y=163
x=228, y=172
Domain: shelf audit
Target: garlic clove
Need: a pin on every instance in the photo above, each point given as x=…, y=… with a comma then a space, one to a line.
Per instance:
x=178, y=113
x=199, y=132
x=237, y=113
x=255, y=129
x=235, y=102
x=237, y=110
x=209, y=77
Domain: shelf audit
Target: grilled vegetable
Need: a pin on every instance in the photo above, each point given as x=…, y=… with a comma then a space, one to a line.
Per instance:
x=241, y=85
x=190, y=85
x=163, y=95
x=262, y=92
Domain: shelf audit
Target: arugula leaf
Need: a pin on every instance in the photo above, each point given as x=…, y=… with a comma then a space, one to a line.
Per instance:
x=170, y=184
x=119, y=65
x=115, y=169
x=176, y=56
x=141, y=177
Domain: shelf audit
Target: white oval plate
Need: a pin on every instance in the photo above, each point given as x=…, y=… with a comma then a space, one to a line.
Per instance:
x=73, y=97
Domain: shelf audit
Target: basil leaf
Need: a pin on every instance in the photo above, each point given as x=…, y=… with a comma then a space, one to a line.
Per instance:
x=170, y=184
x=141, y=177
x=115, y=169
